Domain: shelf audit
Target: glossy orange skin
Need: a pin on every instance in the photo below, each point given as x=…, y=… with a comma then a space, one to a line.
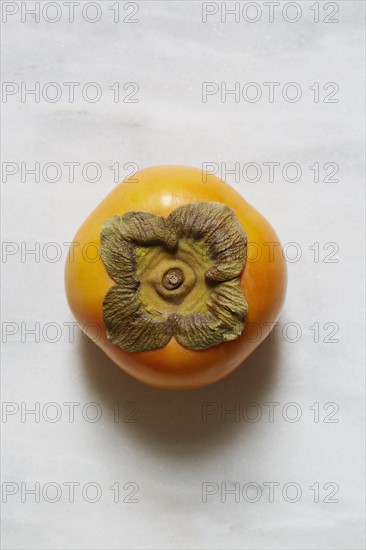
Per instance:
x=160, y=190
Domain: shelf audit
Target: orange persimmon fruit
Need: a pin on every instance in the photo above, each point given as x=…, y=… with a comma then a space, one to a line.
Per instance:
x=183, y=274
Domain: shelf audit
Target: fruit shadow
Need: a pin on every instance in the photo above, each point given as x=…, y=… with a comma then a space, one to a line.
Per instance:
x=183, y=422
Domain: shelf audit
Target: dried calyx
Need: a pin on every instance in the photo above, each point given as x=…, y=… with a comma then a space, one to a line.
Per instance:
x=175, y=276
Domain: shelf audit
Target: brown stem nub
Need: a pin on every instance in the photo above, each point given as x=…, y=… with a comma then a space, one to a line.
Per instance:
x=173, y=279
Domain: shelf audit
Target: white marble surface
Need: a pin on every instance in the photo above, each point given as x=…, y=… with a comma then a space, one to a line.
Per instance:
x=169, y=452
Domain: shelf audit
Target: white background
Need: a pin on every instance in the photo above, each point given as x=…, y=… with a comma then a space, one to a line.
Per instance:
x=170, y=452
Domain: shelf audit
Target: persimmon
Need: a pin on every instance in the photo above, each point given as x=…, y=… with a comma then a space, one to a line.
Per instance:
x=173, y=291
